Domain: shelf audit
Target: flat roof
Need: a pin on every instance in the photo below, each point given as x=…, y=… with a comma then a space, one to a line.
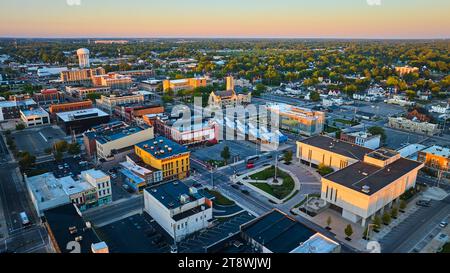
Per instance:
x=360, y=174
x=81, y=114
x=115, y=134
x=168, y=147
x=277, y=232
x=10, y=103
x=96, y=174
x=317, y=244
x=70, y=186
x=438, y=150
x=133, y=177
x=169, y=194
x=337, y=146
x=64, y=218
x=34, y=112
x=45, y=187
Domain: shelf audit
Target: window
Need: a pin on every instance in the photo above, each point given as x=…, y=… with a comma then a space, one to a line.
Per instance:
x=335, y=195
x=326, y=194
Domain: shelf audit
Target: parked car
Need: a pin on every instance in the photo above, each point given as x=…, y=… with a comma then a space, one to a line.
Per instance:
x=246, y=192
x=443, y=224
x=424, y=203
x=235, y=186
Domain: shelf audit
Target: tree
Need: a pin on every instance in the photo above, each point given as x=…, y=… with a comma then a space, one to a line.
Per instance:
x=348, y=231
x=58, y=156
x=259, y=89
x=314, y=96
x=26, y=160
x=402, y=205
x=324, y=169
x=329, y=220
x=376, y=222
x=74, y=148
x=394, y=212
x=61, y=146
x=167, y=99
x=411, y=94
x=93, y=96
x=386, y=218
x=377, y=130
x=225, y=154
x=288, y=157
x=20, y=126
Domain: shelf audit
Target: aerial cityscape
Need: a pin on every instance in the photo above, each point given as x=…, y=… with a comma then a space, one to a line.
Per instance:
x=259, y=127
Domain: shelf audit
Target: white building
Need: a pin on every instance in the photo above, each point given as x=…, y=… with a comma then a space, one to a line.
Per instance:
x=102, y=182
x=440, y=108
x=83, y=57
x=50, y=71
x=362, y=139
x=178, y=209
x=35, y=117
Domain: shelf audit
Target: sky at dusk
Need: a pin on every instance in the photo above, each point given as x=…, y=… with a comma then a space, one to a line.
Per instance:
x=226, y=18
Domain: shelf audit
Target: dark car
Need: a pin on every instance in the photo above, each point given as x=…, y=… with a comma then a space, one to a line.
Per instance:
x=246, y=192
x=235, y=186
x=424, y=203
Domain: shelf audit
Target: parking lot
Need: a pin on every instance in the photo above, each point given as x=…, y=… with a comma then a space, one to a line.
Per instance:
x=396, y=139
x=238, y=148
x=36, y=140
x=380, y=109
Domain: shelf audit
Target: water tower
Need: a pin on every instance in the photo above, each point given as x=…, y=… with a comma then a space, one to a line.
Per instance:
x=83, y=57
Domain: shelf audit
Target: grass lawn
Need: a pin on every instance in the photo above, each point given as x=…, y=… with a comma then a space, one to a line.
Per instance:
x=345, y=121
x=330, y=129
x=279, y=191
x=446, y=248
x=220, y=199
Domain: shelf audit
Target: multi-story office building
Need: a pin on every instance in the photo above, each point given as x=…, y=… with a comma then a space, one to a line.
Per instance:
x=363, y=139
x=178, y=209
x=82, y=92
x=165, y=155
x=81, y=76
x=112, y=80
x=81, y=120
x=102, y=182
x=437, y=159
x=370, y=186
x=299, y=120
x=426, y=128
x=34, y=117
x=183, y=84
x=331, y=152
x=120, y=138
x=108, y=103
x=48, y=96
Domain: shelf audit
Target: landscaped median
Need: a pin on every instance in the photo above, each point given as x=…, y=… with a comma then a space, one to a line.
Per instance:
x=262, y=181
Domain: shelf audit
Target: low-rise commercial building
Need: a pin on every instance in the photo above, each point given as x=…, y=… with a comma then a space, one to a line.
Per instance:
x=81, y=120
x=165, y=155
x=66, y=227
x=35, y=117
x=113, y=80
x=426, y=128
x=277, y=232
x=437, y=159
x=132, y=111
x=362, y=139
x=118, y=138
x=71, y=106
x=178, y=209
x=48, y=96
x=102, y=182
x=83, y=92
x=108, y=103
x=10, y=109
x=139, y=175
x=81, y=76
x=183, y=84
x=367, y=187
x=299, y=120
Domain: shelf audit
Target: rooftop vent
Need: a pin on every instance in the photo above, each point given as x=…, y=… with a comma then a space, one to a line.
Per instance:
x=365, y=174
x=169, y=149
x=184, y=198
x=161, y=141
x=193, y=190
x=72, y=230
x=365, y=189
x=79, y=238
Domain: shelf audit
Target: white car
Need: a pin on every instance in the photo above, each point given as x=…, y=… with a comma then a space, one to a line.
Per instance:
x=443, y=224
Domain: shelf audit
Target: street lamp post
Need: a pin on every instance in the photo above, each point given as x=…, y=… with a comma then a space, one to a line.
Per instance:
x=368, y=230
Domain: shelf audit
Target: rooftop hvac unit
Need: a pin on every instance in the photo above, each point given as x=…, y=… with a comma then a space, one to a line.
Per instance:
x=72, y=230
x=366, y=189
x=152, y=148
x=79, y=238
x=161, y=141
x=184, y=198
x=88, y=224
x=193, y=190
x=169, y=149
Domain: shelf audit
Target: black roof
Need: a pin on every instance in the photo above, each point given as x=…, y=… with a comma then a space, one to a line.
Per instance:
x=277, y=232
x=63, y=218
x=338, y=146
x=362, y=174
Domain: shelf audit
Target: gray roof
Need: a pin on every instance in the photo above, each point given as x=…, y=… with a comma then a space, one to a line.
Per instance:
x=338, y=146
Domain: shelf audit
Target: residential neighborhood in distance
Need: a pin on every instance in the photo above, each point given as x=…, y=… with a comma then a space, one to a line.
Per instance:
x=240, y=140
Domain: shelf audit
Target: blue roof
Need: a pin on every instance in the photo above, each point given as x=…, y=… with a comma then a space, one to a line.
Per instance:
x=111, y=135
x=133, y=178
x=162, y=147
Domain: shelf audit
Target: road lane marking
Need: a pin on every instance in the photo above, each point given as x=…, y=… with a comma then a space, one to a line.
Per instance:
x=40, y=133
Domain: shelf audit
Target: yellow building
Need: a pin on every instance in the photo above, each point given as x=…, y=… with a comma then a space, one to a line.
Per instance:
x=163, y=154
x=183, y=84
x=437, y=159
x=370, y=186
x=331, y=152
